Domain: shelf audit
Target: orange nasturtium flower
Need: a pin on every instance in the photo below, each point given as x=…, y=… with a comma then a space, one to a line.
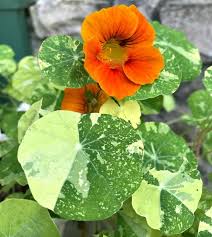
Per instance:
x=119, y=51
x=87, y=99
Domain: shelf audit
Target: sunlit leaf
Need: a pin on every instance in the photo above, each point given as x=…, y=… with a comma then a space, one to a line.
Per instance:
x=81, y=167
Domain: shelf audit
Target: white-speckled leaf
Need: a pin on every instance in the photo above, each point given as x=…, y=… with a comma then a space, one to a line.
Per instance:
x=171, y=189
x=166, y=84
x=208, y=80
x=27, y=84
x=61, y=61
x=205, y=225
x=7, y=63
x=81, y=167
x=200, y=104
x=28, y=118
x=130, y=111
x=182, y=58
x=25, y=218
x=182, y=62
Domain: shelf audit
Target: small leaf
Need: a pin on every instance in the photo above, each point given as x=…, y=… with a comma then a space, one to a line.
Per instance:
x=61, y=62
x=130, y=111
x=81, y=167
x=169, y=103
x=208, y=80
x=152, y=105
x=200, y=104
x=28, y=119
x=25, y=218
x=171, y=189
x=27, y=84
x=7, y=63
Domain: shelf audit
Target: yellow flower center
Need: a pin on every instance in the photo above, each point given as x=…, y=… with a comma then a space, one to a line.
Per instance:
x=113, y=54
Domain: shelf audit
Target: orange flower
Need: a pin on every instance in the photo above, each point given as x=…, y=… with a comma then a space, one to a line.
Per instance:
x=119, y=52
x=87, y=99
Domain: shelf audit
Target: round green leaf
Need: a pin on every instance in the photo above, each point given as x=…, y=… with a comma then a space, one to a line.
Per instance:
x=25, y=218
x=171, y=189
x=208, y=80
x=61, y=61
x=200, y=104
x=7, y=63
x=27, y=84
x=81, y=167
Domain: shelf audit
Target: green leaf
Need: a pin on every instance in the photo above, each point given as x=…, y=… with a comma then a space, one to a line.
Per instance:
x=205, y=225
x=6, y=144
x=207, y=147
x=208, y=80
x=81, y=167
x=169, y=103
x=25, y=218
x=182, y=62
x=152, y=106
x=61, y=61
x=166, y=84
x=182, y=58
x=171, y=189
x=27, y=84
x=7, y=63
x=200, y=104
x=11, y=171
x=28, y=119
x=132, y=225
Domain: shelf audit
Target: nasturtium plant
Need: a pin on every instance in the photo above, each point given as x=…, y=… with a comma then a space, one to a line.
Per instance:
x=79, y=135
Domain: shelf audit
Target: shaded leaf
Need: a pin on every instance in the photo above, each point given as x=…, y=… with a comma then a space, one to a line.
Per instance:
x=25, y=218
x=7, y=63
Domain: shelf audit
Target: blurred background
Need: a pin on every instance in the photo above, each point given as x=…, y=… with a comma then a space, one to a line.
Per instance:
x=24, y=24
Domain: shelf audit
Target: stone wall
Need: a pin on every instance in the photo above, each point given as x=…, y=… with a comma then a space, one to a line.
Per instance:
x=194, y=17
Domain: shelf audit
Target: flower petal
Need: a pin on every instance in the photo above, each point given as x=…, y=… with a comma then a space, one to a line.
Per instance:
x=74, y=100
x=114, y=82
x=144, y=65
x=118, y=21
x=145, y=33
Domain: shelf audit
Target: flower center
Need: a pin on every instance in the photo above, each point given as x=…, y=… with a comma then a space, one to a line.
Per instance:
x=92, y=102
x=113, y=54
